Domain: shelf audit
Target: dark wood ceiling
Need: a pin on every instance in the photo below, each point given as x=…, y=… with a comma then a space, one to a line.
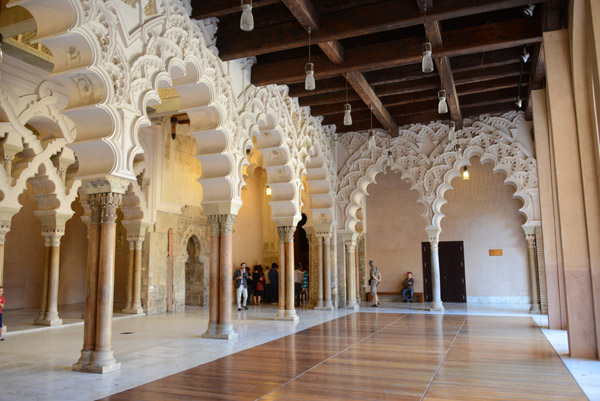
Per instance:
x=377, y=45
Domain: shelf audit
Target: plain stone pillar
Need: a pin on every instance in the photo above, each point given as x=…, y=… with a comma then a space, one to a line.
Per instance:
x=91, y=289
x=53, y=277
x=213, y=311
x=351, y=273
x=130, y=276
x=134, y=278
x=4, y=229
x=319, y=238
x=533, y=276
x=225, y=326
x=571, y=200
x=327, y=243
x=44, y=307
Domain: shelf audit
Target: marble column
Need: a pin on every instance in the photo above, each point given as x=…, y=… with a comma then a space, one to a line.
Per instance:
x=91, y=289
x=533, y=279
x=351, y=274
x=4, y=229
x=213, y=309
x=281, y=295
x=327, y=273
x=225, y=325
x=290, y=310
x=434, y=235
x=134, y=279
x=319, y=239
x=49, y=309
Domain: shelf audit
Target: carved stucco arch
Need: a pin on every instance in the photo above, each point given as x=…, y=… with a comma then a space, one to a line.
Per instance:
x=426, y=157
x=39, y=109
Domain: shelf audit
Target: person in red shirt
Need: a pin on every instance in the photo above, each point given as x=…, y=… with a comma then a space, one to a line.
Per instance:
x=2, y=303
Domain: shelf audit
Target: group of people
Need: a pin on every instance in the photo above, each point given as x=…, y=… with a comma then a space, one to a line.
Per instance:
x=375, y=279
x=257, y=287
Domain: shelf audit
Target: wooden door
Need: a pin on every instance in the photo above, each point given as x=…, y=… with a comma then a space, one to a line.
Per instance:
x=452, y=271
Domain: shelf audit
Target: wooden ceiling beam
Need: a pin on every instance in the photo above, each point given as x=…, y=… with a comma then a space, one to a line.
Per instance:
x=487, y=74
x=486, y=60
x=202, y=9
x=488, y=86
x=367, y=94
x=403, y=52
x=499, y=96
x=378, y=17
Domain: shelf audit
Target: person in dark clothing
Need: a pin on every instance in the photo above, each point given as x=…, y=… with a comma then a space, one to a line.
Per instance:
x=274, y=280
x=408, y=285
x=258, y=280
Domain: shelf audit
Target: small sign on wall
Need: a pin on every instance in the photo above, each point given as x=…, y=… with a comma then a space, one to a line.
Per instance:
x=495, y=252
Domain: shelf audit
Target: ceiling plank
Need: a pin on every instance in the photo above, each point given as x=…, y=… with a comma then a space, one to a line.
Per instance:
x=488, y=86
x=202, y=9
x=402, y=52
x=366, y=93
x=379, y=17
x=480, y=99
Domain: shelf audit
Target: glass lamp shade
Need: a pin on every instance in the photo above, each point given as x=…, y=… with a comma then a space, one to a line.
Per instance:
x=427, y=63
x=465, y=173
x=268, y=191
x=372, y=143
x=309, y=82
x=347, y=116
x=452, y=133
x=519, y=103
x=247, y=20
x=442, y=105
x=390, y=158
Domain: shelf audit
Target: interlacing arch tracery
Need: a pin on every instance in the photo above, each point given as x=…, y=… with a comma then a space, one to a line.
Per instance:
x=429, y=160
x=34, y=147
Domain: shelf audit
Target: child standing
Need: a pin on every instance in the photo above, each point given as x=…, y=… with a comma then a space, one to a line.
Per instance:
x=2, y=302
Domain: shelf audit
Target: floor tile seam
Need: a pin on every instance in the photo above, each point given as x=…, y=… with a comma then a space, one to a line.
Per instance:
x=331, y=357
x=444, y=358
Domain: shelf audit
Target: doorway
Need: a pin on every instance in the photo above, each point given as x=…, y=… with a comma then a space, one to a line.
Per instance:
x=452, y=271
x=301, y=243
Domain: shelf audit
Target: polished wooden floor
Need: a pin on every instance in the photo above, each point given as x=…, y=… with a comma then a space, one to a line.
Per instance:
x=382, y=356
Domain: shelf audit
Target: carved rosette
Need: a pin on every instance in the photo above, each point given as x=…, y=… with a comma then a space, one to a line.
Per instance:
x=227, y=221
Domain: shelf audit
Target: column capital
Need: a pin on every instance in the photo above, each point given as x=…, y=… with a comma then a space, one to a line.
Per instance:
x=4, y=229
x=52, y=235
x=136, y=240
x=214, y=224
x=350, y=244
x=325, y=236
x=433, y=235
x=286, y=233
x=104, y=207
x=530, y=240
x=227, y=221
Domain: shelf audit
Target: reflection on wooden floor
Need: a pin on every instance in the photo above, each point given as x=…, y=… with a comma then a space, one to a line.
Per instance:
x=371, y=356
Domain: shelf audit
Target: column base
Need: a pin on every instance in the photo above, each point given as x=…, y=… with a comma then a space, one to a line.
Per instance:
x=48, y=322
x=352, y=305
x=535, y=309
x=220, y=332
x=436, y=307
x=133, y=311
x=319, y=304
x=97, y=362
x=329, y=308
x=288, y=315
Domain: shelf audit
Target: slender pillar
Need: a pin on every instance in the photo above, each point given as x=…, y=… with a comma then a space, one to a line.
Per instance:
x=282, y=269
x=52, y=318
x=225, y=325
x=351, y=274
x=213, y=311
x=91, y=289
x=319, y=238
x=102, y=359
x=327, y=280
x=134, y=279
x=4, y=229
x=434, y=235
x=533, y=276
x=44, y=307
x=130, y=276
x=290, y=311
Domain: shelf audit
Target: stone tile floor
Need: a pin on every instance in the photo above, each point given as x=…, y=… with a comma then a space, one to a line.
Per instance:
x=36, y=365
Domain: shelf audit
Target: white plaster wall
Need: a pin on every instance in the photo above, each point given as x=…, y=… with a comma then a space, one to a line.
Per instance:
x=481, y=212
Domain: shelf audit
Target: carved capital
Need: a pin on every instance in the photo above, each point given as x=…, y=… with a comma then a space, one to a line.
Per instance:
x=108, y=203
x=136, y=241
x=530, y=240
x=350, y=245
x=214, y=224
x=4, y=229
x=286, y=233
x=226, y=221
x=52, y=235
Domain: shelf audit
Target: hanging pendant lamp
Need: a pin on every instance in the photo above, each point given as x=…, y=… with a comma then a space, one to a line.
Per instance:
x=442, y=104
x=309, y=82
x=427, y=62
x=372, y=143
x=465, y=173
x=247, y=20
x=347, y=107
